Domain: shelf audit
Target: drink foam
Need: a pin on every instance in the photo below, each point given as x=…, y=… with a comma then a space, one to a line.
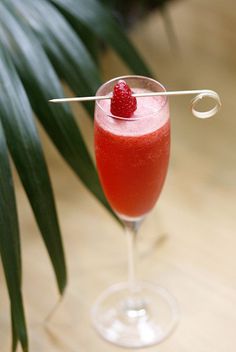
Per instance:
x=151, y=114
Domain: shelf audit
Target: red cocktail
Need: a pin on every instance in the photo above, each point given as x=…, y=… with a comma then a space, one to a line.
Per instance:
x=132, y=160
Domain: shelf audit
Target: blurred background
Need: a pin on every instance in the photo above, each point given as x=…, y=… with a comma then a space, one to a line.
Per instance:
x=187, y=244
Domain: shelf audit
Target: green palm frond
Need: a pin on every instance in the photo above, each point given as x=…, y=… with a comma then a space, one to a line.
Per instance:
x=44, y=43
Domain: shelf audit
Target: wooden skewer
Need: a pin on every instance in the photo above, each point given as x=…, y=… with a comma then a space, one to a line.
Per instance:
x=200, y=93
x=137, y=95
x=62, y=100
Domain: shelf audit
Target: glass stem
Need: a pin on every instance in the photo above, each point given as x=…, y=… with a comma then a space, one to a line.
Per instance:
x=131, y=229
x=131, y=246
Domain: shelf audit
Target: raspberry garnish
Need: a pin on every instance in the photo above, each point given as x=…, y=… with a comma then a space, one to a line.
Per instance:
x=122, y=102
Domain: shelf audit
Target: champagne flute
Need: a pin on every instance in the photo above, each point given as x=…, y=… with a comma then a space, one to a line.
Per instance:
x=132, y=156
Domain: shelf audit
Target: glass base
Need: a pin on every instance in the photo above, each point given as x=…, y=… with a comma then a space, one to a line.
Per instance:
x=144, y=319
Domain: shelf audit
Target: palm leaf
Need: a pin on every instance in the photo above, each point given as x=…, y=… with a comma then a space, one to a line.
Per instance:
x=9, y=245
x=26, y=151
x=65, y=49
x=94, y=16
x=41, y=83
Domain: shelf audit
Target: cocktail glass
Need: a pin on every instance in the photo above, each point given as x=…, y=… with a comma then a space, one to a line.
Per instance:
x=132, y=156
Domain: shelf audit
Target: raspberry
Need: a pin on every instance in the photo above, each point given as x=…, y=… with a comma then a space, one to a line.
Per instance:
x=122, y=102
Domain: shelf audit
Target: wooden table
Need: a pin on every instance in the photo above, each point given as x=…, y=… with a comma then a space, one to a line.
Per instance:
x=188, y=243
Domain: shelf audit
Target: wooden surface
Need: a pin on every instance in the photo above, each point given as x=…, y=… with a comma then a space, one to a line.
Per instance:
x=195, y=218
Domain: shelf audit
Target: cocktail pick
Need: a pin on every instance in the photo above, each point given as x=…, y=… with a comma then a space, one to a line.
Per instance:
x=199, y=95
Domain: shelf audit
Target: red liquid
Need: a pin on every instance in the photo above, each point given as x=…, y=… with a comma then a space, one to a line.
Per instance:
x=132, y=169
